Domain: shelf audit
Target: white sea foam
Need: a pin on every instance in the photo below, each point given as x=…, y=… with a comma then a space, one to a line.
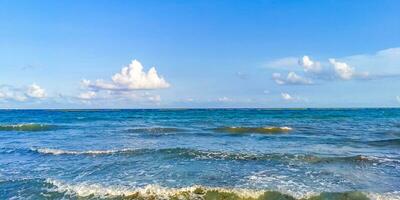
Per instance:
x=266, y=127
x=69, y=152
x=263, y=129
x=159, y=192
x=384, y=196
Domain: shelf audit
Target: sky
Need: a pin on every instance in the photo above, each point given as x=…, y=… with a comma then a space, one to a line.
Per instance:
x=199, y=54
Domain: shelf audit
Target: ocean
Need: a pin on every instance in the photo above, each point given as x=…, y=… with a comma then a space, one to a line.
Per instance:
x=200, y=154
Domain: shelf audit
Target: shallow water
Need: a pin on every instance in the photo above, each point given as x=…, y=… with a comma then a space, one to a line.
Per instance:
x=223, y=153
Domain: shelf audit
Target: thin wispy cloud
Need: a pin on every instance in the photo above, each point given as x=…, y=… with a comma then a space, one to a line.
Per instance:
x=283, y=63
x=291, y=79
x=87, y=95
x=224, y=99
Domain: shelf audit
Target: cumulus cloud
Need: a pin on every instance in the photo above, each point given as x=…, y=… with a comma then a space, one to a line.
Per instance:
x=10, y=93
x=382, y=64
x=291, y=78
x=346, y=72
x=35, y=91
x=343, y=70
x=309, y=65
x=131, y=77
x=286, y=96
x=132, y=83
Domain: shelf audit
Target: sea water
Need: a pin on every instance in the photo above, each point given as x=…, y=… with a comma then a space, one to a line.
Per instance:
x=200, y=154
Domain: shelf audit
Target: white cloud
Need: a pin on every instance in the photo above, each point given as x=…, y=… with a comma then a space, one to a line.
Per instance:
x=130, y=84
x=309, y=65
x=398, y=98
x=291, y=78
x=87, y=95
x=35, y=91
x=10, y=93
x=287, y=96
x=131, y=77
x=384, y=62
x=342, y=70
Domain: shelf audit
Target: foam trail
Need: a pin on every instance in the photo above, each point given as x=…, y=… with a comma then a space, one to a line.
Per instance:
x=203, y=192
x=221, y=155
x=149, y=191
x=265, y=130
x=90, y=152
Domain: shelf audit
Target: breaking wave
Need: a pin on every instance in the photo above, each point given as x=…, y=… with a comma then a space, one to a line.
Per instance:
x=184, y=153
x=58, y=189
x=89, y=152
x=26, y=127
x=265, y=130
x=95, y=191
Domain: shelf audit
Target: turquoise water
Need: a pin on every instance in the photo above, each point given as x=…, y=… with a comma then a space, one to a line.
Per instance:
x=95, y=154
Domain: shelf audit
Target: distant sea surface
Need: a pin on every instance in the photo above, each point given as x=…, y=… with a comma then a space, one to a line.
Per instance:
x=200, y=154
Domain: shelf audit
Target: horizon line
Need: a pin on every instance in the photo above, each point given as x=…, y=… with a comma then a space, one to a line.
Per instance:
x=204, y=108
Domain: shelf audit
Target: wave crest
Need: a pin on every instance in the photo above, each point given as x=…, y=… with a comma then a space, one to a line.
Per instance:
x=89, y=152
x=184, y=153
x=192, y=192
x=265, y=130
x=26, y=127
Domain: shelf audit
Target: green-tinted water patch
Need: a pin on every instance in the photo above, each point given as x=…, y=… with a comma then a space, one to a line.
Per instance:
x=215, y=194
x=27, y=127
x=340, y=196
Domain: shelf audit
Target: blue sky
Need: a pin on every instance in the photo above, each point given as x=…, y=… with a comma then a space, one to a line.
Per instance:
x=71, y=54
